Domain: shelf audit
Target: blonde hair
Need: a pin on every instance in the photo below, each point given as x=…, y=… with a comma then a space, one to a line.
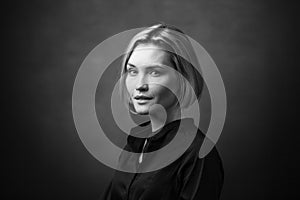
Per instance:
x=177, y=43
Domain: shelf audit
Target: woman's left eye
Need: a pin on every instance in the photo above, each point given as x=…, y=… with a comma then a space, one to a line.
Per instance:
x=154, y=73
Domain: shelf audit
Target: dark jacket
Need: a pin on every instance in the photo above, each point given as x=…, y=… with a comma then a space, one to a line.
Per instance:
x=185, y=177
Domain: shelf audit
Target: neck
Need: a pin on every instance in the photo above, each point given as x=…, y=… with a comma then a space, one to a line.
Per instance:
x=159, y=117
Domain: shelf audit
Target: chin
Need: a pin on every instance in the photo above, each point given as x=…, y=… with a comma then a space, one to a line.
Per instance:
x=142, y=110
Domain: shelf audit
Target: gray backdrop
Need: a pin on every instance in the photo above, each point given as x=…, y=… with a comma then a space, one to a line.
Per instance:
x=253, y=43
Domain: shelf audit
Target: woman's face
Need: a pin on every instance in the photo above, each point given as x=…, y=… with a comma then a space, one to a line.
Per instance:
x=148, y=77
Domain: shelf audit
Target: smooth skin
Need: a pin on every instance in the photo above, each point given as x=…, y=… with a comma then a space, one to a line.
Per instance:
x=149, y=74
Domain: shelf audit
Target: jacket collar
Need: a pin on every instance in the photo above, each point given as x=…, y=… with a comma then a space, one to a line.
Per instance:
x=157, y=139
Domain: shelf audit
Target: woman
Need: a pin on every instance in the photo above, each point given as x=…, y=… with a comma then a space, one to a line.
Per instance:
x=154, y=84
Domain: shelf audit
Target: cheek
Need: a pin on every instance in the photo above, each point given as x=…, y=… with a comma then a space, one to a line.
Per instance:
x=129, y=83
x=165, y=97
x=170, y=84
x=166, y=90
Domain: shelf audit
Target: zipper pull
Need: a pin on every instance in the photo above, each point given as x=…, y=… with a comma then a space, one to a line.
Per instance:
x=141, y=156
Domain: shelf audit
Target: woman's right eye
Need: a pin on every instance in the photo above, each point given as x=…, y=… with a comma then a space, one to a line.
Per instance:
x=132, y=72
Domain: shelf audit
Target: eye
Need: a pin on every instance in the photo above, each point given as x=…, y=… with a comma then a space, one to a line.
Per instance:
x=132, y=72
x=154, y=73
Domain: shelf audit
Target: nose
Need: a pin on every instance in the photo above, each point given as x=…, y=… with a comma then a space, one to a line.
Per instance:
x=142, y=86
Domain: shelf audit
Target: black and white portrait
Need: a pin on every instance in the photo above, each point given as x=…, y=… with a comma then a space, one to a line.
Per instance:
x=142, y=100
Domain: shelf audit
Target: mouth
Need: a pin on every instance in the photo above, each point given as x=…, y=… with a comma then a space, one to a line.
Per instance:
x=142, y=99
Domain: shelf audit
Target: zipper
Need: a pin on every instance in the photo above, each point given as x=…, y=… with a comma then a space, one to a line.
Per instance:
x=140, y=160
x=128, y=193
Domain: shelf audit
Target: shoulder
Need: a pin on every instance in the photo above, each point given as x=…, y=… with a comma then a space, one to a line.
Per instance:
x=206, y=172
x=201, y=146
x=202, y=152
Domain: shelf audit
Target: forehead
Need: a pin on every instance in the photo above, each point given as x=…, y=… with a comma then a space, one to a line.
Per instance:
x=149, y=54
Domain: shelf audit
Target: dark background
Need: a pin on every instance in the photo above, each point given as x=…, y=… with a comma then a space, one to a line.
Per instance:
x=253, y=42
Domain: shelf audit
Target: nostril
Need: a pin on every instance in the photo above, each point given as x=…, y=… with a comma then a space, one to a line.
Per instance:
x=143, y=87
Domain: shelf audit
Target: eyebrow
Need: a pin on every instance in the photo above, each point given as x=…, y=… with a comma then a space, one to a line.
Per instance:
x=131, y=65
x=156, y=65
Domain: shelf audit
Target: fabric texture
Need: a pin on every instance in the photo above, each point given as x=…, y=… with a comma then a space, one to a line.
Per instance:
x=187, y=177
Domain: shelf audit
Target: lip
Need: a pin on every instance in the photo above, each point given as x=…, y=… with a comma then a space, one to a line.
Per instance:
x=142, y=101
x=142, y=97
